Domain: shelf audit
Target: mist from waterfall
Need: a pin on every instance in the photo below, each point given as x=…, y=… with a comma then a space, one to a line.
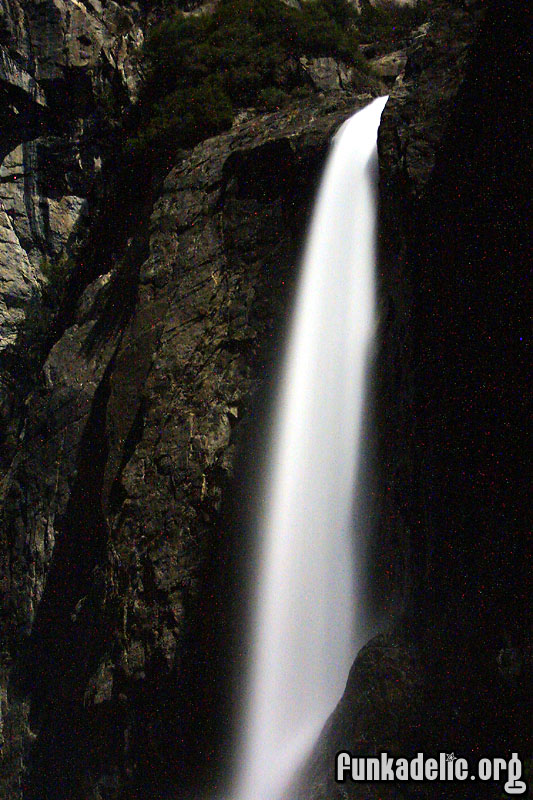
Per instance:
x=304, y=635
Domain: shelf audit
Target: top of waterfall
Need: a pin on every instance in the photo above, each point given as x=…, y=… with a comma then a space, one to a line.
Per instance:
x=378, y=102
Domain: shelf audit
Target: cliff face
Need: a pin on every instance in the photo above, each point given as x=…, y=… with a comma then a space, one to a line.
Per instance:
x=124, y=469
x=465, y=263
x=117, y=501
x=66, y=69
x=68, y=72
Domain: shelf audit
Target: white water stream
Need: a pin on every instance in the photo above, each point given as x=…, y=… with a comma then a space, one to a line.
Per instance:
x=303, y=641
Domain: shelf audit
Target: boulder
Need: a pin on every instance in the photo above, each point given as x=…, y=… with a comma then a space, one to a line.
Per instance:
x=389, y=66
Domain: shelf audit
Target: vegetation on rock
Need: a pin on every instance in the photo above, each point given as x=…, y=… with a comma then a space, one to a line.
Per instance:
x=200, y=68
x=388, y=23
x=246, y=53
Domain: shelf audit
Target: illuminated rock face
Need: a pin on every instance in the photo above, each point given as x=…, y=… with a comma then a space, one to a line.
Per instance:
x=67, y=72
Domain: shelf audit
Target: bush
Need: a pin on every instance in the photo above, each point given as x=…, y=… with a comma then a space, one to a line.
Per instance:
x=183, y=118
x=272, y=99
x=201, y=68
x=388, y=22
x=56, y=272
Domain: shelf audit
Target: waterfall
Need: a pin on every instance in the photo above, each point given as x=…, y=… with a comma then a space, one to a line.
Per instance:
x=303, y=640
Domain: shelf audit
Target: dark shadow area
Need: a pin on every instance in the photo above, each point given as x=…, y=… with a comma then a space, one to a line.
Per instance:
x=470, y=273
x=70, y=633
x=470, y=603
x=29, y=121
x=376, y=590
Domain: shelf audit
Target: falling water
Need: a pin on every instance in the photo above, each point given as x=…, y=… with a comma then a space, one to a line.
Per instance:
x=303, y=639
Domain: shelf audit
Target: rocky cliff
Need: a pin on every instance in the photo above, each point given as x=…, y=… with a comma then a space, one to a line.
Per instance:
x=66, y=71
x=132, y=436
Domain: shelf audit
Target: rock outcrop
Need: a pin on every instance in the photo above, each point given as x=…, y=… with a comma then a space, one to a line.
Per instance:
x=66, y=69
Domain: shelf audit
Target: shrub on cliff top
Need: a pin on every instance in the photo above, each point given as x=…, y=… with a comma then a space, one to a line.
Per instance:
x=201, y=68
x=387, y=22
